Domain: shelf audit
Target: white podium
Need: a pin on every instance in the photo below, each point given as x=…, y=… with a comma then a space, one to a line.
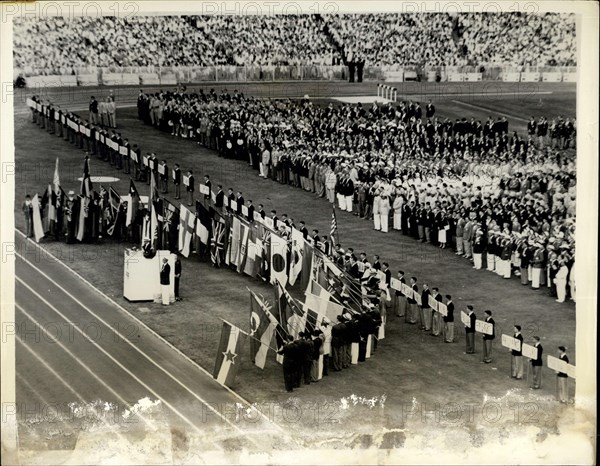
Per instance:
x=141, y=276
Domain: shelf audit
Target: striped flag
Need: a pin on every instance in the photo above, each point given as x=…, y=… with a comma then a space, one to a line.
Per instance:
x=253, y=253
x=38, y=229
x=134, y=203
x=229, y=354
x=187, y=222
x=114, y=199
x=262, y=327
x=86, y=181
x=203, y=226
x=84, y=203
x=54, y=205
x=243, y=245
x=291, y=317
x=333, y=232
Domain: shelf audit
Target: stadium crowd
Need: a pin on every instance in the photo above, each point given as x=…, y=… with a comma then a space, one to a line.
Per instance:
x=60, y=45
x=476, y=186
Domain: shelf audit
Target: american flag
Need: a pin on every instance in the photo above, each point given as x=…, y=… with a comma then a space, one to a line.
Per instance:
x=333, y=232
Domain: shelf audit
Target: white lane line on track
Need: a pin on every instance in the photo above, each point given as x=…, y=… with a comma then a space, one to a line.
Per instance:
x=106, y=353
x=80, y=362
x=507, y=115
x=152, y=332
x=53, y=372
x=175, y=379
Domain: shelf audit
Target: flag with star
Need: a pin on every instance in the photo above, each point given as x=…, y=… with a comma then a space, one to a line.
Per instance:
x=262, y=327
x=86, y=180
x=229, y=354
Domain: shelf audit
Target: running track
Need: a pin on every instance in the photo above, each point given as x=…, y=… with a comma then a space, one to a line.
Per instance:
x=75, y=345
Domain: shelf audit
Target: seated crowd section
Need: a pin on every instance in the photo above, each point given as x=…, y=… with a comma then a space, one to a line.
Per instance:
x=59, y=45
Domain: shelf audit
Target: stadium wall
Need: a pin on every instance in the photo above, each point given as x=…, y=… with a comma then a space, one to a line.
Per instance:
x=115, y=76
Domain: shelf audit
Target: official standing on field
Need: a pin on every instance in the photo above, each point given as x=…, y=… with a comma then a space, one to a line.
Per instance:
x=561, y=378
x=488, y=338
x=536, y=365
x=449, y=320
x=165, y=281
x=517, y=356
x=470, y=330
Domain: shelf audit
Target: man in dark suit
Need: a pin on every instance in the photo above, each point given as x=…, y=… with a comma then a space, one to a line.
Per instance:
x=250, y=216
x=517, y=356
x=411, y=315
x=230, y=199
x=470, y=330
x=164, y=177
x=209, y=184
x=177, y=277
x=449, y=320
x=165, y=281
x=240, y=203
x=219, y=197
x=303, y=229
x=488, y=339
x=261, y=211
x=177, y=181
x=316, y=238
x=425, y=309
x=190, y=187
x=436, y=324
x=536, y=365
x=561, y=377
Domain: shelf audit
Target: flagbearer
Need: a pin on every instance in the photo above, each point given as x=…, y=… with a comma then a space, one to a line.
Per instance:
x=177, y=277
x=165, y=276
x=488, y=339
x=289, y=363
x=28, y=213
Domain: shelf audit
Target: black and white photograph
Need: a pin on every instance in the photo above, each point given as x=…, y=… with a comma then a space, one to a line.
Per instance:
x=311, y=232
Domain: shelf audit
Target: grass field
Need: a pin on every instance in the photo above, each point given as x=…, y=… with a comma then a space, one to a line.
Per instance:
x=417, y=373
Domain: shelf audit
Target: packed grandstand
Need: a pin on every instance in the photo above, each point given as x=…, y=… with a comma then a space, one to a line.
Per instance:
x=60, y=45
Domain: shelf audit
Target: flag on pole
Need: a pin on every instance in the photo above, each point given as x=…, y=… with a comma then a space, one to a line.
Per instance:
x=203, y=226
x=217, y=248
x=234, y=241
x=253, y=253
x=134, y=203
x=84, y=204
x=86, y=181
x=297, y=254
x=156, y=211
x=279, y=249
x=170, y=225
x=187, y=222
x=243, y=245
x=114, y=199
x=291, y=317
x=318, y=298
x=229, y=354
x=55, y=200
x=38, y=229
x=333, y=232
x=262, y=328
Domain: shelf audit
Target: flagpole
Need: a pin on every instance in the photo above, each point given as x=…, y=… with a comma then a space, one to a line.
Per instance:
x=247, y=334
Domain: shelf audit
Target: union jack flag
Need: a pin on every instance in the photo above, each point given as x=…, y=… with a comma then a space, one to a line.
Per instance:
x=218, y=242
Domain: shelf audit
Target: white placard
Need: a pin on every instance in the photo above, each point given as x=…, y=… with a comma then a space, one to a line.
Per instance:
x=557, y=364
x=161, y=169
x=204, y=189
x=407, y=290
x=213, y=196
x=257, y=216
x=186, y=180
x=145, y=160
x=396, y=284
x=465, y=319
x=511, y=342
x=482, y=326
x=529, y=351
x=417, y=298
x=123, y=150
x=571, y=370
x=269, y=222
x=443, y=309
x=245, y=210
x=433, y=304
x=233, y=205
